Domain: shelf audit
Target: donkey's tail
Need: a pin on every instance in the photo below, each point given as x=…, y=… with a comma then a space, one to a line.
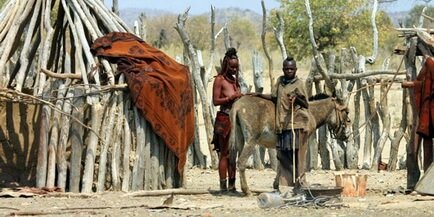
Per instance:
x=233, y=146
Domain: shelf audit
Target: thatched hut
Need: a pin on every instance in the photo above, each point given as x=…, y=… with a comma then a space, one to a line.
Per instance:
x=67, y=118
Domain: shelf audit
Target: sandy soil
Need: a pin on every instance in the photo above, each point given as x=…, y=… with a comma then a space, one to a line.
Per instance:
x=384, y=198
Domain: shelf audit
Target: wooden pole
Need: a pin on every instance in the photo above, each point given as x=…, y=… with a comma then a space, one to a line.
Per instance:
x=62, y=164
x=91, y=151
x=54, y=136
x=139, y=163
x=126, y=147
x=44, y=127
x=76, y=142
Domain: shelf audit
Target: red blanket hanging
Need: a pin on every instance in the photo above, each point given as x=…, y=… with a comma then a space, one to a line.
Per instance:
x=424, y=94
x=159, y=86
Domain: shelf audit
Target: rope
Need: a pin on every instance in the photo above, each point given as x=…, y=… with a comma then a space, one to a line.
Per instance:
x=293, y=142
x=317, y=202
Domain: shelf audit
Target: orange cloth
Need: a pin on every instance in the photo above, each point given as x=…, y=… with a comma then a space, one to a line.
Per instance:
x=424, y=94
x=159, y=86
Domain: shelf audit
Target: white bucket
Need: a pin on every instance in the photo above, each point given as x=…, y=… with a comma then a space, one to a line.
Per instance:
x=270, y=200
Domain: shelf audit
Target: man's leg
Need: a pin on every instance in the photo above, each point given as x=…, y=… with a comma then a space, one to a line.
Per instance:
x=413, y=172
x=427, y=153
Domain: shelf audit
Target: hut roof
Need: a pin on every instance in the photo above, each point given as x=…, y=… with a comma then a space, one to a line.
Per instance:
x=42, y=41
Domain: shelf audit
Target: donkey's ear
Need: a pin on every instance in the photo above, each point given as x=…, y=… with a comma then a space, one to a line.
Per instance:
x=338, y=95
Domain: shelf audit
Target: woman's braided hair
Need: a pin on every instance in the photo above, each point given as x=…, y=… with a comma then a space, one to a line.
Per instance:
x=230, y=54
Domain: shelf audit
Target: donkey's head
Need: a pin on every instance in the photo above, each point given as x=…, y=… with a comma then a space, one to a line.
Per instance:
x=339, y=121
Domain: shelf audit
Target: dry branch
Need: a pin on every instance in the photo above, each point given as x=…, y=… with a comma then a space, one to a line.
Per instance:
x=61, y=75
x=319, y=59
x=359, y=75
x=264, y=44
x=180, y=28
x=278, y=33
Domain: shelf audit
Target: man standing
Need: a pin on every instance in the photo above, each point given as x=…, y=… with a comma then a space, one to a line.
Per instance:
x=290, y=96
x=226, y=89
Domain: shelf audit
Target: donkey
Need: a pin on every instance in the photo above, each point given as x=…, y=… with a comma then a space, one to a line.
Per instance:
x=253, y=120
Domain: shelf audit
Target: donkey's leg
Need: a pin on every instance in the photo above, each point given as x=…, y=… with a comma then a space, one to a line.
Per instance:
x=247, y=151
x=276, y=179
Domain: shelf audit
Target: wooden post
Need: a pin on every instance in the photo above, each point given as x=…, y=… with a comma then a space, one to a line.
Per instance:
x=54, y=137
x=62, y=164
x=399, y=134
x=107, y=130
x=127, y=147
x=154, y=162
x=76, y=141
x=162, y=164
x=44, y=127
x=139, y=163
x=116, y=142
x=91, y=151
x=376, y=160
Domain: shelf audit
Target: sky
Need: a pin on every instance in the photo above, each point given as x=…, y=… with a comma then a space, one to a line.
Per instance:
x=201, y=6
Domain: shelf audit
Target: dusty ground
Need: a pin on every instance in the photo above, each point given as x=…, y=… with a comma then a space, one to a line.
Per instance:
x=383, y=199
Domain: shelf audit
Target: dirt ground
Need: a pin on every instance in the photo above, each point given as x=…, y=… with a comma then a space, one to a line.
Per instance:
x=384, y=198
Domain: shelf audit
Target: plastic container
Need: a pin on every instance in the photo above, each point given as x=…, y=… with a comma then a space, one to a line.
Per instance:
x=270, y=200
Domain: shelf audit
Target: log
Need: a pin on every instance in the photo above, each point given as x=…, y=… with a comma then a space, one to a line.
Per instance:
x=278, y=34
x=413, y=171
x=376, y=160
x=139, y=163
x=61, y=75
x=107, y=130
x=182, y=191
x=78, y=55
x=116, y=142
x=126, y=147
x=374, y=118
x=103, y=15
x=338, y=154
x=210, y=67
x=25, y=53
x=170, y=170
x=147, y=156
x=6, y=19
x=76, y=143
x=11, y=41
x=47, y=39
x=91, y=151
x=44, y=128
x=180, y=28
x=162, y=164
x=264, y=44
x=319, y=59
x=85, y=47
x=367, y=149
x=394, y=146
x=63, y=140
x=154, y=162
x=373, y=57
x=54, y=137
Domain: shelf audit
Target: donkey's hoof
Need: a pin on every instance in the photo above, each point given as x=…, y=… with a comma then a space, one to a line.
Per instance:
x=247, y=192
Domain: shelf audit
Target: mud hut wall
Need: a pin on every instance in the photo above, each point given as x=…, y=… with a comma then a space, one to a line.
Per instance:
x=18, y=149
x=119, y=133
